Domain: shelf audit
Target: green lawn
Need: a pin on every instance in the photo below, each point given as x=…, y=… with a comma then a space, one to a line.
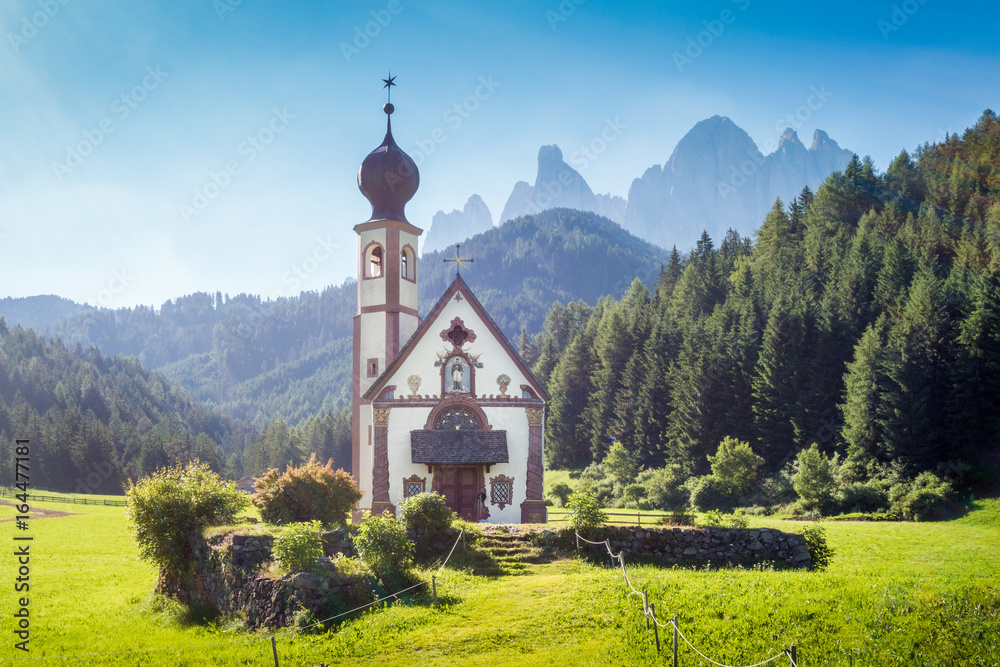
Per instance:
x=895, y=594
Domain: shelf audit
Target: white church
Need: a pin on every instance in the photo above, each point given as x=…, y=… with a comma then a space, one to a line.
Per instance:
x=442, y=403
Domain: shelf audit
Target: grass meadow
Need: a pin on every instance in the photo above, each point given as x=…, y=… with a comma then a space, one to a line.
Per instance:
x=895, y=594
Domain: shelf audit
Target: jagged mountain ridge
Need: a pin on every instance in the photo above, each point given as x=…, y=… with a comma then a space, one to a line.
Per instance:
x=715, y=179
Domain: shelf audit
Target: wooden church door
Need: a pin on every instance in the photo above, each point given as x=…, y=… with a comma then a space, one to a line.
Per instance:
x=460, y=488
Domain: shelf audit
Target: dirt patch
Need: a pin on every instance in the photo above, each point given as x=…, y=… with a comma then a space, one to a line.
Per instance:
x=37, y=513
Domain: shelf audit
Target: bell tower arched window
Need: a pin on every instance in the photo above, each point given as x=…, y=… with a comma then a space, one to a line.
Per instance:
x=374, y=261
x=408, y=264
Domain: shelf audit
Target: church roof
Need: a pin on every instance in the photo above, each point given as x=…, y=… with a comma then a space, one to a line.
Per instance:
x=388, y=177
x=459, y=447
x=456, y=285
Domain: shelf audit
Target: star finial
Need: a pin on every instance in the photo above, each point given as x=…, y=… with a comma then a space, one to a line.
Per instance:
x=458, y=260
x=389, y=83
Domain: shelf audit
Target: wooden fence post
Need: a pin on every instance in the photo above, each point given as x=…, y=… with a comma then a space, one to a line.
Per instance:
x=645, y=607
x=656, y=627
x=434, y=589
x=675, y=640
x=795, y=662
x=274, y=648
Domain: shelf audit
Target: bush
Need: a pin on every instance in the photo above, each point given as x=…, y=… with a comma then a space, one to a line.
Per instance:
x=586, y=512
x=311, y=492
x=735, y=466
x=298, y=547
x=816, y=479
x=426, y=513
x=634, y=496
x=169, y=510
x=867, y=498
x=926, y=498
x=716, y=519
x=665, y=488
x=819, y=551
x=381, y=543
x=561, y=492
x=708, y=493
x=596, y=482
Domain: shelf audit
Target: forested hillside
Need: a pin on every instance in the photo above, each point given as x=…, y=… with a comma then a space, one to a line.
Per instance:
x=94, y=421
x=864, y=318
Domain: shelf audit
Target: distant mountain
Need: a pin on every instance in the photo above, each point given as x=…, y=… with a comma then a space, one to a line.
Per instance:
x=717, y=179
x=557, y=185
x=36, y=312
x=447, y=229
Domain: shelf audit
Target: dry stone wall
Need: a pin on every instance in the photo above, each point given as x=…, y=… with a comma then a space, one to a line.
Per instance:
x=229, y=579
x=701, y=546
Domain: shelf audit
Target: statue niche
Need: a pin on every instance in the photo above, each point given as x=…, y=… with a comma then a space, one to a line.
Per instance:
x=457, y=375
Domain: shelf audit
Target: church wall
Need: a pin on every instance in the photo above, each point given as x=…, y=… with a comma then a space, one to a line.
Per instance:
x=364, y=471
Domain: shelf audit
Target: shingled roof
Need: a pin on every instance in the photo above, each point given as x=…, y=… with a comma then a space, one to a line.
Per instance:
x=459, y=447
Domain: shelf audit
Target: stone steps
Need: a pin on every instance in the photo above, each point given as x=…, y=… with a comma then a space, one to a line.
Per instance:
x=511, y=548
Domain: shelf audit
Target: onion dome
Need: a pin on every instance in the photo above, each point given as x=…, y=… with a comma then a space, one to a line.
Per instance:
x=388, y=178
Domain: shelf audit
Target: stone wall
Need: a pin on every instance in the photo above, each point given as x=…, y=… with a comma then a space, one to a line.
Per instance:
x=698, y=546
x=229, y=579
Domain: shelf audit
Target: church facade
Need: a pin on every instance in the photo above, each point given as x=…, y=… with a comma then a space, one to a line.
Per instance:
x=442, y=403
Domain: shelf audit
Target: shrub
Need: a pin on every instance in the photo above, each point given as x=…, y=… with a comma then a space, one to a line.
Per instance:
x=311, y=492
x=926, y=498
x=735, y=466
x=298, y=547
x=816, y=479
x=426, y=513
x=595, y=481
x=819, y=551
x=561, y=492
x=866, y=498
x=586, y=512
x=634, y=496
x=716, y=519
x=620, y=465
x=169, y=510
x=381, y=543
x=665, y=488
x=708, y=493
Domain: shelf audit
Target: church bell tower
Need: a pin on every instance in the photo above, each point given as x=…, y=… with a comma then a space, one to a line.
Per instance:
x=387, y=286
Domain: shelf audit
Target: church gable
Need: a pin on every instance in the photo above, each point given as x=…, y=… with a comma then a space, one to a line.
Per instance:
x=458, y=351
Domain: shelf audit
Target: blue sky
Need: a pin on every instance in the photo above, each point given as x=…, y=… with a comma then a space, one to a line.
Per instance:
x=152, y=149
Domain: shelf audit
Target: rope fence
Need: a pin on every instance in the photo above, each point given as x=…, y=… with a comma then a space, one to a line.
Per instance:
x=649, y=611
x=271, y=638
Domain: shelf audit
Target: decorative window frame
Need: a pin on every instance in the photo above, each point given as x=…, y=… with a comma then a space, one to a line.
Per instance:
x=496, y=497
x=414, y=480
x=366, y=258
x=408, y=258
